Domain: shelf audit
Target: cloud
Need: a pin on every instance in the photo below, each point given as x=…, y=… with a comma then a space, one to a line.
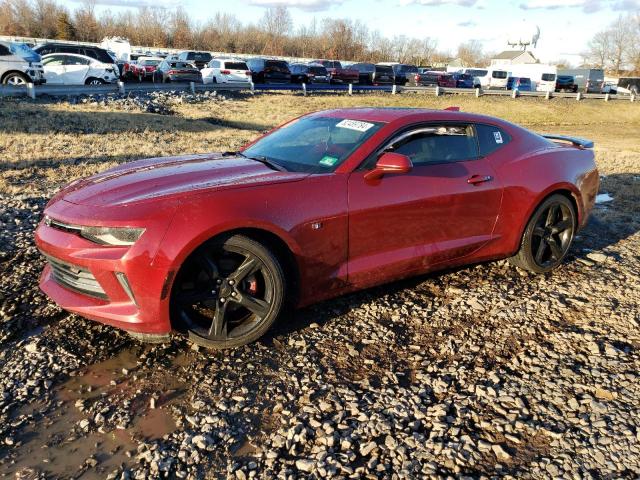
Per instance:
x=137, y=3
x=307, y=5
x=437, y=3
x=587, y=6
x=468, y=23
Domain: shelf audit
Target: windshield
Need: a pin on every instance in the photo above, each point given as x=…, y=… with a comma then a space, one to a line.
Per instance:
x=476, y=73
x=149, y=63
x=548, y=77
x=499, y=74
x=22, y=50
x=313, y=144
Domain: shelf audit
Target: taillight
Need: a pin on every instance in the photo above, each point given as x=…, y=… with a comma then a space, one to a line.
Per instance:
x=172, y=72
x=247, y=73
x=225, y=72
x=417, y=77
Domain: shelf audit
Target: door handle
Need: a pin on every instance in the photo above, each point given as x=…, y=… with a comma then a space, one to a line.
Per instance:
x=476, y=179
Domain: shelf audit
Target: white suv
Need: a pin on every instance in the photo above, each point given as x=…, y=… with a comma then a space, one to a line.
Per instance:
x=19, y=65
x=226, y=70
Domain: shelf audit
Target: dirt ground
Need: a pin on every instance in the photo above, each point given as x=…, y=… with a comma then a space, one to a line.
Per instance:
x=483, y=371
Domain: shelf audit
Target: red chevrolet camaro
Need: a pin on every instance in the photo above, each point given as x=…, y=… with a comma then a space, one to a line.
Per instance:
x=335, y=201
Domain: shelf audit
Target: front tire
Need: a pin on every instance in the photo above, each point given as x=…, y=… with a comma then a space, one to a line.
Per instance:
x=548, y=235
x=228, y=293
x=16, y=79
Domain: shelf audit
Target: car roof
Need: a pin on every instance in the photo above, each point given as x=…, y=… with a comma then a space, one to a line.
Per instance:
x=406, y=115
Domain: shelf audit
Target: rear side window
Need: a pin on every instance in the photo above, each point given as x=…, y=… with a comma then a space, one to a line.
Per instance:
x=439, y=144
x=491, y=138
x=4, y=51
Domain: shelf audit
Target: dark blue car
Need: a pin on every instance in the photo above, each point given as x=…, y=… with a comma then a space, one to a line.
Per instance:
x=522, y=84
x=463, y=80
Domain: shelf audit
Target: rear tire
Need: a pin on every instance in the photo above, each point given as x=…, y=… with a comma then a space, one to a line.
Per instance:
x=548, y=235
x=228, y=292
x=94, y=82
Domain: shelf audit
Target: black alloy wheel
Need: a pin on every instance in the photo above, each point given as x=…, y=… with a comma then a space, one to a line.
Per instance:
x=228, y=293
x=548, y=235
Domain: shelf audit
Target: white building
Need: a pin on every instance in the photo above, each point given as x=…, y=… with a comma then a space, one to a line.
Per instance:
x=513, y=57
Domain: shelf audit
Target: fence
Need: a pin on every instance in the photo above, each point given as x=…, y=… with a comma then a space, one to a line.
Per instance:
x=34, y=91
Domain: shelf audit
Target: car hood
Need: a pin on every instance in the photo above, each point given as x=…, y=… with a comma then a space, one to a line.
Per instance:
x=156, y=178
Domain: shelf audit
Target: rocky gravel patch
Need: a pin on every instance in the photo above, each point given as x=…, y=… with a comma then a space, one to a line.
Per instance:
x=480, y=372
x=160, y=102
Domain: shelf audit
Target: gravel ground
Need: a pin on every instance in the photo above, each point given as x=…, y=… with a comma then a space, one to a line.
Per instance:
x=484, y=371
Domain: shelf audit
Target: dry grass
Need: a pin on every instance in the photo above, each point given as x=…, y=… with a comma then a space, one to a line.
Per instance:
x=57, y=142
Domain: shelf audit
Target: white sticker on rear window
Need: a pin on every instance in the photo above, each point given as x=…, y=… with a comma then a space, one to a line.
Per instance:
x=355, y=125
x=498, y=137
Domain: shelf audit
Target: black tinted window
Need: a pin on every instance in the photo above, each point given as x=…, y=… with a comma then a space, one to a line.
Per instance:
x=235, y=65
x=318, y=70
x=4, y=51
x=384, y=69
x=439, y=144
x=499, y=74
x=491, y=138
x=277, y=64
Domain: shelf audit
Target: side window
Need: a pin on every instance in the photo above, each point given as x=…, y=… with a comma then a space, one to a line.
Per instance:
x=491, y=138
x=4, y=51
x=69, y=60
x=53, y=60
x=439, y=144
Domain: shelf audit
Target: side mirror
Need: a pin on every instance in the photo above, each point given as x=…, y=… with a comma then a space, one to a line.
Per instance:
x=389, y=162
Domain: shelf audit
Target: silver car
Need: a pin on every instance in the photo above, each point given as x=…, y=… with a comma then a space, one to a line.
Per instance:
x=19, y=65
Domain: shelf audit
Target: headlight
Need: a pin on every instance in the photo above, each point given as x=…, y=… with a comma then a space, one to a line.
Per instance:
x=112, y=235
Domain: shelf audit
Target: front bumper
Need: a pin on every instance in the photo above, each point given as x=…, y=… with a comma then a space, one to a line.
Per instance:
x=116, y=285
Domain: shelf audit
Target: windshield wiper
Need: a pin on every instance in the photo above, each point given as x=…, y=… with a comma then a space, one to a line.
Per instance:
x=264, y=160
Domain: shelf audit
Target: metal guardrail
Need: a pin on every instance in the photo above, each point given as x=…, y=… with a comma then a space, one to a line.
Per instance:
x=34, y=91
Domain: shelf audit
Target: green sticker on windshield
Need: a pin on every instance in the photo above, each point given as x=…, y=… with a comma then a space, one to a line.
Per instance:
x=328, y=161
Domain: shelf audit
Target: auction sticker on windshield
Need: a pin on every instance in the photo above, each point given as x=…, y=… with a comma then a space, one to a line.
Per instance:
x=354, y=125
x=328, y=161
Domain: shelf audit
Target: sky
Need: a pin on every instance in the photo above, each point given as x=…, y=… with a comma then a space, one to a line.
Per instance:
x=565, y=25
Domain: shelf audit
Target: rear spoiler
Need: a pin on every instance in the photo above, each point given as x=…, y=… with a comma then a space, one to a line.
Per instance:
x=578, y=142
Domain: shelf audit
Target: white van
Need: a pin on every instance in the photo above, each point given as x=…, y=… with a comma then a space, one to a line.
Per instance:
x=488, y=78
x=19, y=65
x=543, y=77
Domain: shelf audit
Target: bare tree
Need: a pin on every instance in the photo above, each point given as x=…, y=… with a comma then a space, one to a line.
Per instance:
x=471, y=54
x=276, y=23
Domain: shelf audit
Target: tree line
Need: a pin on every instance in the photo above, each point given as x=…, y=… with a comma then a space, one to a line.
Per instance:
x=617, y=47
x=273, y=34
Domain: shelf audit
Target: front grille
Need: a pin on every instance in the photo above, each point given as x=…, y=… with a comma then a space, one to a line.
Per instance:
x=75, y=278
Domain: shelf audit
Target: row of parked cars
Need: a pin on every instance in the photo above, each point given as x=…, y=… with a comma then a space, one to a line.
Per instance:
x=74, y=64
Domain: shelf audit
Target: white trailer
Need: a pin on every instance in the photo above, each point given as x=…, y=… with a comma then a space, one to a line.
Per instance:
x=543, y=77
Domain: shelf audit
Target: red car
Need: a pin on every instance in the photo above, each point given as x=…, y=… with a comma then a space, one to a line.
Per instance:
x=331, y=202
x=338, y=74
x=144, y=68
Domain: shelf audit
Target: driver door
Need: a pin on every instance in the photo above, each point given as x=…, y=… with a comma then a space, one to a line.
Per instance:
x=445, y=208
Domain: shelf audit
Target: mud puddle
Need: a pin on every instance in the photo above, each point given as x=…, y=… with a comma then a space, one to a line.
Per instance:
x=51, y=439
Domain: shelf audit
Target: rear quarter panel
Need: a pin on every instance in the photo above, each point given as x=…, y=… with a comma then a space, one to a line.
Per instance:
x=531, y=176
